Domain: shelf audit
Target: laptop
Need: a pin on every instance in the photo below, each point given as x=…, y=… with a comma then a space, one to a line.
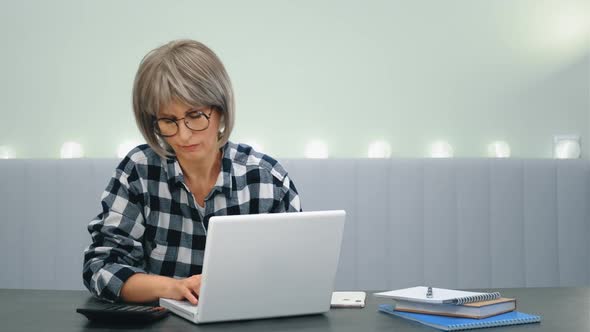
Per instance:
x=266, y=265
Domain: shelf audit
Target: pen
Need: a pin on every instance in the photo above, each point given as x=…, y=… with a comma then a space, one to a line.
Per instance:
x=429, y=293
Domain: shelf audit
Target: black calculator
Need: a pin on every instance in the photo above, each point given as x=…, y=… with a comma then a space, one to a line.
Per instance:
x=124, y=313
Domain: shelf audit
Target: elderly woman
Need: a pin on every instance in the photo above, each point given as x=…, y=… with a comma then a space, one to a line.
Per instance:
x=148, y=242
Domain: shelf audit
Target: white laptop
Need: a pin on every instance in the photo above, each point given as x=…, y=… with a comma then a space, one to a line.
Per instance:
x=266, y=265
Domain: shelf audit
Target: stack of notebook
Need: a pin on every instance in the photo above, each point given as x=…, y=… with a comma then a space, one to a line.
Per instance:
x=451, y=310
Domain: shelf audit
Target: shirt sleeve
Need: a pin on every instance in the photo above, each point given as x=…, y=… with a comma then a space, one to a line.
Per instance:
x=289, y=202
x=116, y=251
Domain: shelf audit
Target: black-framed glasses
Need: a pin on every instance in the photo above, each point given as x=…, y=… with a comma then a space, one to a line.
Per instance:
x=194, y=120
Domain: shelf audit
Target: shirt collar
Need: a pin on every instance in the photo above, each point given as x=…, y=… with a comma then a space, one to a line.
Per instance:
x=224, y=180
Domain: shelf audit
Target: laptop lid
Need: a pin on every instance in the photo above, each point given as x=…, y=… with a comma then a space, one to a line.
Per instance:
x=269, y=265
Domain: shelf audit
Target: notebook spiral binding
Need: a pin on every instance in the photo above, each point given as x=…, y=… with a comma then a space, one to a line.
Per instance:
x=456, y=327
x=478, y=298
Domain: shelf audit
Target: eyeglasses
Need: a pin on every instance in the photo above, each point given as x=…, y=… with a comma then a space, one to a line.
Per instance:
x=194, y=120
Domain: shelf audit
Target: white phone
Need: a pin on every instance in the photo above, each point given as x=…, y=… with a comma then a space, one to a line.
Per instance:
x=348, y=299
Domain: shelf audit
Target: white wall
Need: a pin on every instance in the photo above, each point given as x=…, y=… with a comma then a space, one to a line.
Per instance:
x=348, y=72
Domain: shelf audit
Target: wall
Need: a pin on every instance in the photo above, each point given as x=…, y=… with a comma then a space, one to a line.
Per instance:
x=409, y=72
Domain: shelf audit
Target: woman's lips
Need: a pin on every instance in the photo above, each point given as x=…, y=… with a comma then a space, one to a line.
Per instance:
x=189, y=148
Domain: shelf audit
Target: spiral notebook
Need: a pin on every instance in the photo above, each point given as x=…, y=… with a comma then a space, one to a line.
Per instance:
x=439, y=295
x=455, y=324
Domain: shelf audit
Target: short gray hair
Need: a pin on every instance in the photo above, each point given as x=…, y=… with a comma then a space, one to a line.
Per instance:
x=187, y=71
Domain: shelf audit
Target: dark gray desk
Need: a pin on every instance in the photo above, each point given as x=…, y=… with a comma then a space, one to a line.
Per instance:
x=563, y=309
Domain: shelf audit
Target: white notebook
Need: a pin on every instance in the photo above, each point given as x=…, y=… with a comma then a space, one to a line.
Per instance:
x=439, y=295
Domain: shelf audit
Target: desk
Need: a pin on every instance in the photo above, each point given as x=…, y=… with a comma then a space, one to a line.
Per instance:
x=563, y=309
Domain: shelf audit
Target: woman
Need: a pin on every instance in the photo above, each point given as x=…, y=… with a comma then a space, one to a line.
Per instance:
x=148, y=242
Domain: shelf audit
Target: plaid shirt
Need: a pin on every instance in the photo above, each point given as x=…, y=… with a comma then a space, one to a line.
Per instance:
x=150, y=222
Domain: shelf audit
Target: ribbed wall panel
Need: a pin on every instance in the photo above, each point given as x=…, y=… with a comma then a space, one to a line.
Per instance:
x=473, y=224
x=464, y=223
x=372, y=225
x=406, y=220
x=506, y=223
x=13, y=203
x=572, y=221
x=440, y=223
x=540, y=225
x=73, y=183
x=40, y=240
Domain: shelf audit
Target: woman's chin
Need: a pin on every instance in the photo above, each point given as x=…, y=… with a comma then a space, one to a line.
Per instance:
x=195, y=155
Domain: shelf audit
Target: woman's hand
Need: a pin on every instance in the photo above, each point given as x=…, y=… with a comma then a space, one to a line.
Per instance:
x=188, y=288
x=142, y=287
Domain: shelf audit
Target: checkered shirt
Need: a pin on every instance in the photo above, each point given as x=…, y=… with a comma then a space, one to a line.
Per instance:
x=150, y=222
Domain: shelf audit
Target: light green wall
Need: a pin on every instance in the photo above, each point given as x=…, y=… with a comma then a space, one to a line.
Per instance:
x=348, y=72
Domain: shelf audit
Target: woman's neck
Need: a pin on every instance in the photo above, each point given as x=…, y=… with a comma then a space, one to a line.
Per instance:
x=201, y=173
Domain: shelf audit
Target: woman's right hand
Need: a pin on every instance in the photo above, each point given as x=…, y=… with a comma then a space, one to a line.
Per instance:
x=188, y=288
x=142, y=287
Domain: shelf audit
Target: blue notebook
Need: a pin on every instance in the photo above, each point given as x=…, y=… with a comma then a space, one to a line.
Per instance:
x=454, y=324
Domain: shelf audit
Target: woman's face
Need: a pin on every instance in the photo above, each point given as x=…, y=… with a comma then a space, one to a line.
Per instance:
x=188, y=144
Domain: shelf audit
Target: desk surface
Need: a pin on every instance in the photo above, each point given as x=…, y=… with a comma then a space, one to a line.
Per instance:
x=563, y=309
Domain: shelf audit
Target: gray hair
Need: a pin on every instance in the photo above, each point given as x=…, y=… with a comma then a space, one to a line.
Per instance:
x=187, y=71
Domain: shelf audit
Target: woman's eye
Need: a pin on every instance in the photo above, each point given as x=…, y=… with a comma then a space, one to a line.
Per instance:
x=194, y=115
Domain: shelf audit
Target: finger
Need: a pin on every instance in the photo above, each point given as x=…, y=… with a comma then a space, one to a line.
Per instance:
x=190, y=297
x=196, y=288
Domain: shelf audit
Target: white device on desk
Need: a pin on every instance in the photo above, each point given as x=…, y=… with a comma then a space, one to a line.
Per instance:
x=348, y=299
x=266, y=265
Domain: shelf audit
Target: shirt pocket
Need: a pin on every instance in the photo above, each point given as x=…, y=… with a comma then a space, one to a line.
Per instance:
x=162, y=259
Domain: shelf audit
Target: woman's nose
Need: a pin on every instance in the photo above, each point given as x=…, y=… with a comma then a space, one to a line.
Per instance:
x=184, y=132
